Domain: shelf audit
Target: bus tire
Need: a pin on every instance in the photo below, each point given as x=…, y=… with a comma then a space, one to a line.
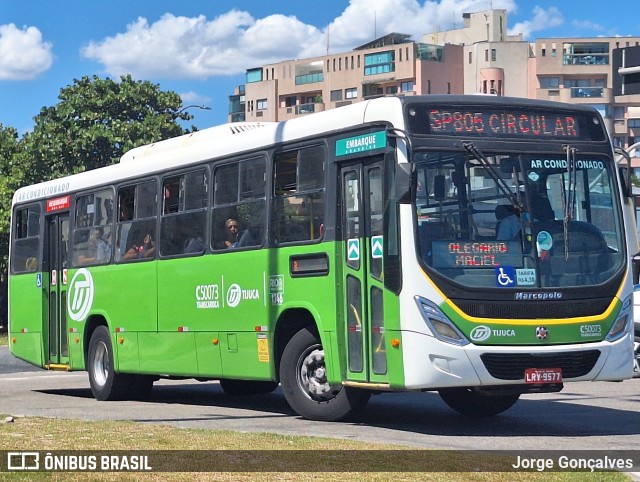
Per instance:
x=239, y=388
x=105, y=383
x=305, y=386
x=474, y=403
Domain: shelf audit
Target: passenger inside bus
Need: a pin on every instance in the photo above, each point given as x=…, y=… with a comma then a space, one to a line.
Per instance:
x=231, y=234
x=144, y=249
x=509, y=223
x=98, y=248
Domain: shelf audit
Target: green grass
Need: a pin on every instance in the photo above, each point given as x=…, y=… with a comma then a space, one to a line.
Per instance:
x=47, y=434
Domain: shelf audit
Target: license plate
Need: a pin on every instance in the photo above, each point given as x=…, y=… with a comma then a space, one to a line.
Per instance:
x=543, y=375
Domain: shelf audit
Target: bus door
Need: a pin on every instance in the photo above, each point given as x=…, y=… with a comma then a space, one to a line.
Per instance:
x=55, y=289
x=362, y=231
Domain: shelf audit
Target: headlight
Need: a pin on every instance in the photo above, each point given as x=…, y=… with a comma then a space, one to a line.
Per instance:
x=619, y=328
x=440, y=326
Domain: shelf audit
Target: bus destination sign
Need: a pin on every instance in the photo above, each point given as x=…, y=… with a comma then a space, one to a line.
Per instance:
x=503, y=122
x=472, y=254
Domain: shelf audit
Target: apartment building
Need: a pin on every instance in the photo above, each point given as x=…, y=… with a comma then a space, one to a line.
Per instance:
x=478, y=57
x=582, y=71
x=494, y=62
x=390, y=65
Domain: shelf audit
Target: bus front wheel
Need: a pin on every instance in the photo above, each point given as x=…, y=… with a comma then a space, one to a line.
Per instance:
x=474, y=403
x=303, y=376
x=105, y=383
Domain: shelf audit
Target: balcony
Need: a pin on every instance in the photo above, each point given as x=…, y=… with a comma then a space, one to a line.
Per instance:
x=309, y=108
x=586, y=59
x=579, y=95
x=579, y=92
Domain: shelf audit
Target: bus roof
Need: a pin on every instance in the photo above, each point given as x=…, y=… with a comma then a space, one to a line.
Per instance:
x=215, y=142
x=235, y=138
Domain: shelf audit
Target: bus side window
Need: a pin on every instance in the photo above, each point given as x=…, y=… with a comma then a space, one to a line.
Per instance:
x=239, y=200
x=183, y=223
x=298, y=204
x=137, y=208
x=26, y=245
x=92, y=243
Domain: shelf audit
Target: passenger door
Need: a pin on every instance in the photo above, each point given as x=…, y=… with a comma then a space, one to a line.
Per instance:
x=55, y=288
x=362, y=230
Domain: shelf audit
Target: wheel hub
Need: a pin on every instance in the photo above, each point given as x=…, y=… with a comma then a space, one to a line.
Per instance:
x=313, y=376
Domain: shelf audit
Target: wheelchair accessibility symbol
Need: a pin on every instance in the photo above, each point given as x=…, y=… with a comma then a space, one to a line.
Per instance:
x=505, y=276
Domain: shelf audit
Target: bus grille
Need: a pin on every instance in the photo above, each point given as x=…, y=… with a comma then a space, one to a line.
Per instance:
x=528, y=310
x=511, y=366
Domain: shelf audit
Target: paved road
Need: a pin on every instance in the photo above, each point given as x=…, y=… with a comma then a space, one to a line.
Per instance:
x=584, y=416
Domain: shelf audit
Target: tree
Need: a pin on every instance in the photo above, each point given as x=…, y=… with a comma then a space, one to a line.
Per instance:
x=96, y=121
x=9, y=147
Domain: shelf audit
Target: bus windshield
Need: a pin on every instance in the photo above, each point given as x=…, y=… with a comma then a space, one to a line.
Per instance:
x=506, y=220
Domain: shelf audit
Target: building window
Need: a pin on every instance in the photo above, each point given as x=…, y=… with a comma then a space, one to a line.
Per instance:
x=254, y=75
x=448, y=87
x=549, y=82
x=554, y=53
x=428, y=86
x=586, y=53
x=493, y=54
x=379, y=63
x=406, y=86
x=470, y=57
x=633, y=123
x=351, y=93
x=336, y=95
x=618, y=112
x=486, y=55
x=261, y=104
x=543, y=52
x=392, y=89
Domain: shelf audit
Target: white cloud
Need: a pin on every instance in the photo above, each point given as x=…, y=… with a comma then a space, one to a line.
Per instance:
x=23, y=53
x=587, y=25
x=182, y=47
x=192, y=97
x=542, y=19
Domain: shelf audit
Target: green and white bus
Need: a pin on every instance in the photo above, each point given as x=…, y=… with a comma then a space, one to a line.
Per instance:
x=366, y=255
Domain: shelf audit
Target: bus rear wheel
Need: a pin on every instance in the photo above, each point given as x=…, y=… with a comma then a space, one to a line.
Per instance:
x=105, y=383
x=475, y=403
x=303, y=376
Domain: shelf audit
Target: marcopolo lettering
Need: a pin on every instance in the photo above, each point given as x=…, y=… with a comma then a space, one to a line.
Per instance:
x=537, y=296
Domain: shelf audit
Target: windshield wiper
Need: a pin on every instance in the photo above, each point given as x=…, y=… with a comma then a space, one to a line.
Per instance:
x=569, y=197
x=491, y=170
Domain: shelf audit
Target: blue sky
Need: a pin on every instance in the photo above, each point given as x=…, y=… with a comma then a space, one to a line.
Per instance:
x=201, y=48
